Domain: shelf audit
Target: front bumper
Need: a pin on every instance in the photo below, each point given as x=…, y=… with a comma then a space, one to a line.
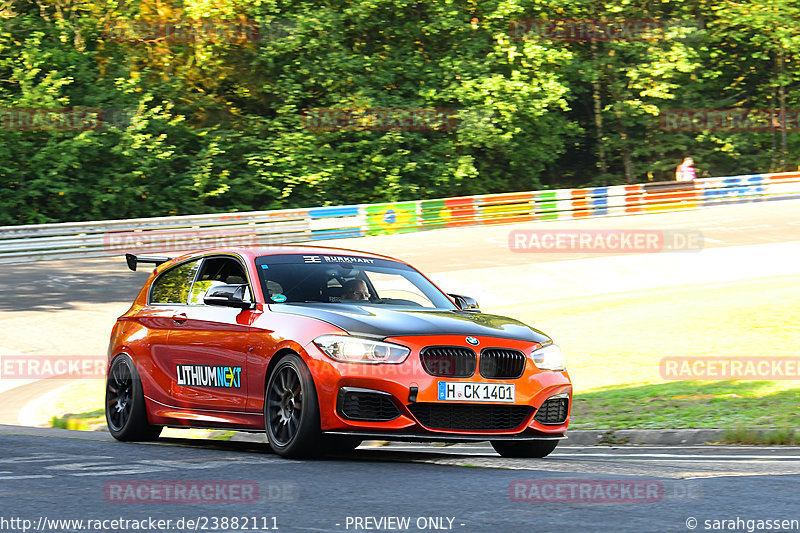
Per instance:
x=420, y=415
x=444, y=437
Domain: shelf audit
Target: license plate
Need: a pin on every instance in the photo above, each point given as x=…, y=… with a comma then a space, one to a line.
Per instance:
x=460, y=391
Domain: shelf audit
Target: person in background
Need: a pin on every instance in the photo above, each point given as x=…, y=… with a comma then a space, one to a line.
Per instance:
x=685, y=171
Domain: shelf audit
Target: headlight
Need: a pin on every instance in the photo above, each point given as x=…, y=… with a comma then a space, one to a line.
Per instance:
x=354, y=350
x=549, y=358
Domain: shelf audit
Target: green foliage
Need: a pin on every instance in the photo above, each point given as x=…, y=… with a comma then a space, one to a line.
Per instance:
x=204, y=124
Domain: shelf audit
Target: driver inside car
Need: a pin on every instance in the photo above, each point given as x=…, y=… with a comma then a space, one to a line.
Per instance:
x=355, y=289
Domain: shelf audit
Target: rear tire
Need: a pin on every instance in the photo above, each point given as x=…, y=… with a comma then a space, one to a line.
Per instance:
x=527, y=448
x=126, y=413
x=291, y=411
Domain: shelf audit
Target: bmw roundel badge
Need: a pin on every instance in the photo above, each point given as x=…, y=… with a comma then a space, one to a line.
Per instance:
x=473, y=341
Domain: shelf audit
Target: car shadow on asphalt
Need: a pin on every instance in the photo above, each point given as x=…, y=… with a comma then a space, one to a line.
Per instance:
x=368, y=454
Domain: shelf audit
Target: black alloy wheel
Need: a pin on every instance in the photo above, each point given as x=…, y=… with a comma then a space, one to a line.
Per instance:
x=126, y=414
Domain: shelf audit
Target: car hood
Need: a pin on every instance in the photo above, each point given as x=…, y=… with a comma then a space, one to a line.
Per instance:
x=382, y=322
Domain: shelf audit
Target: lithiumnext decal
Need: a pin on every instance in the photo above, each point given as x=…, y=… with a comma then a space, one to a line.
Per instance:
x=226, y=377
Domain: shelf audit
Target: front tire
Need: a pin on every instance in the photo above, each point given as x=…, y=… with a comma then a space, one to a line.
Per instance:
x=291, y=411
x=527, y=448
x=126, y=414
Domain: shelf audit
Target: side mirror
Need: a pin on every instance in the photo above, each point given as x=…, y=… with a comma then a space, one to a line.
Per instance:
x=228, y=296
x=466, y=303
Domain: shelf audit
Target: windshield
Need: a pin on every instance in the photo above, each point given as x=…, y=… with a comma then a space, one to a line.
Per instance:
x=346, y=280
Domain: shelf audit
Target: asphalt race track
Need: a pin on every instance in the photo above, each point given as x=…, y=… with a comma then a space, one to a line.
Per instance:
x=58, y=475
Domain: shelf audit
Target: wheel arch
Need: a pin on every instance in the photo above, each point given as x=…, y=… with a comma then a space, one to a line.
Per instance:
x=280, y=354
x=137, y=365
x=306, y=439
x=138, y=413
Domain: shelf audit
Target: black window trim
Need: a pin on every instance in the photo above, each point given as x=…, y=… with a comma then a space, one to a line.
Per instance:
x=201, y=259
x=233, y=256
x=162, y=274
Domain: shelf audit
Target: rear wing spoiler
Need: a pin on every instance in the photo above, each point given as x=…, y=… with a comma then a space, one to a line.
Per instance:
x=134, y=260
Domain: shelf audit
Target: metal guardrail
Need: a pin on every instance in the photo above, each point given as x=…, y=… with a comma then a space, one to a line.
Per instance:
x=144, y=235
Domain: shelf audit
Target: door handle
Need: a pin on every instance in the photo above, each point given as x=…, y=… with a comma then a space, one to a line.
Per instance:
x=180, y=319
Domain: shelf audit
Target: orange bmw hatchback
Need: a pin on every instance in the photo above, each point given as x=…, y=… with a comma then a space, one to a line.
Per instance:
x=322, y=348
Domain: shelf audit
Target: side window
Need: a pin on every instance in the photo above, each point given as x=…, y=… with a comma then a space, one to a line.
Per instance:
x=174, y=284
x=218, y=271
